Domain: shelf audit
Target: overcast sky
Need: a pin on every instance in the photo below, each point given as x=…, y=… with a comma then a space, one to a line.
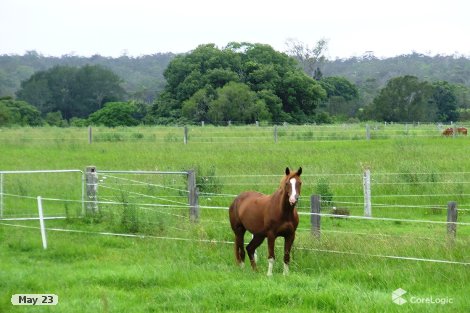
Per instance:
x=138, y=27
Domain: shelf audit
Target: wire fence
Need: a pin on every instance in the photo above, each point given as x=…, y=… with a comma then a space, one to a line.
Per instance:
x=267, y=133
x=160, y=202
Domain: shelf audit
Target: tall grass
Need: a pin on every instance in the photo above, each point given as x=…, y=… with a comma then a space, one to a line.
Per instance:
x=344, y=271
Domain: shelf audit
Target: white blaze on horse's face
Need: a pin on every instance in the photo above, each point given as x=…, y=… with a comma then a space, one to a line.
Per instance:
x=293, y=195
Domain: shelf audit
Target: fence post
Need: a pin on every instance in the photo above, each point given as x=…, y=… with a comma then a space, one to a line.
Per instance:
x=315, y=217
x=91, y=178
x=275, y=133
x=90, y=135
x=367, y=193
x=186, y=135
x=41, y=223
x=367, y=132
x=1, y=195
x=452, y=219
x=193, y=197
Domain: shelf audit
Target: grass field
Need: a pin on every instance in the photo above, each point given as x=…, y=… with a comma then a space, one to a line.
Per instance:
x=413, y=177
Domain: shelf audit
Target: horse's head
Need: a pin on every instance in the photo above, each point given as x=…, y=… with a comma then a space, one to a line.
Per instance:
x=292, y=185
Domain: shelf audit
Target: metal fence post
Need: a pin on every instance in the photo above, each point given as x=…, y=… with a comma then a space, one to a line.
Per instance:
x=1, y=195
x=367, y=193
x=193, y=196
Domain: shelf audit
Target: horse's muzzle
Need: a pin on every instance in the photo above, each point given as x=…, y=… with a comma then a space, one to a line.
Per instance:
x=293, y=200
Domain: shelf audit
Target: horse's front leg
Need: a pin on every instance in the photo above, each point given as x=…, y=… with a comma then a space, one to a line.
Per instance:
x=289, y=240
x=255, y=242
x=271, y=240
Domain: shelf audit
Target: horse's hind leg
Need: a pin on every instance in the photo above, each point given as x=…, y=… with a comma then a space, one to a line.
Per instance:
x=251, y=248
x=239, y=243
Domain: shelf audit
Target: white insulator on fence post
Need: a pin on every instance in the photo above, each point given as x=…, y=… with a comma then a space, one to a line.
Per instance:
x=41, y=223
x=367, y=193
x=91, y=181
x=193, y=197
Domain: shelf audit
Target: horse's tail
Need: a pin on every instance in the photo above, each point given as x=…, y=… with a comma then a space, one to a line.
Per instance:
x=238, y=230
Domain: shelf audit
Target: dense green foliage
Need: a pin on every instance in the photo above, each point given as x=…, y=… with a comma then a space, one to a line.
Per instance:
x=191, y=87
x=115, y=114
x=202, y=84
x=14, y=112
x=75, y=92
x=407, y=99
x=370, y=74
x=142, y=76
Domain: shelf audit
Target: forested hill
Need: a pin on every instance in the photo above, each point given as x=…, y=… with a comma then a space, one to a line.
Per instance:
x=143, y=76
x=453, y=69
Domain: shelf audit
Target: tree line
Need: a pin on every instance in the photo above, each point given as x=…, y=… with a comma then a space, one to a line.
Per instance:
x=241, y=82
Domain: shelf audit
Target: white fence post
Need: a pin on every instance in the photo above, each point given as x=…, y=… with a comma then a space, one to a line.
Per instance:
x=41, y=223
x=367, y=193
x=1, y=195
x=193, y=197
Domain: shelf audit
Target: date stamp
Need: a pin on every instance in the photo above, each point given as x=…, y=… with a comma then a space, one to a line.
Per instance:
x=34, y=299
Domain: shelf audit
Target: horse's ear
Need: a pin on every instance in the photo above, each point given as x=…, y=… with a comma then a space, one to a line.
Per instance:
x=299, y=171
x=287, y=171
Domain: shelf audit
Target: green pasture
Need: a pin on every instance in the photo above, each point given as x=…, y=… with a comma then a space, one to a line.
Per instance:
x=169, y=264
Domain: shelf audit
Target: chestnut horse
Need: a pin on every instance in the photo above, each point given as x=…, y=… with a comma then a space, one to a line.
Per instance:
x=450, y=131
x=268, y=216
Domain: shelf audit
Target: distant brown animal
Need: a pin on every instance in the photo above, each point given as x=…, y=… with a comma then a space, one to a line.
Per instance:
x=450, y=131
x=267, y=216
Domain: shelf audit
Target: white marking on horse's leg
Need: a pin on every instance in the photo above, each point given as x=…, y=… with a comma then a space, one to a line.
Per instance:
x=270, y=266
x=292, y=198
x=242, y=264
x=286, y=269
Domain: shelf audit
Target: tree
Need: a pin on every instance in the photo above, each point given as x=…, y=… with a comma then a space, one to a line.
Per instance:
x=115, y=114
x=342, y=96
x=75, y=92
x=264, y=71
x=309, y=58
x=444, y=96
x=14, y=112
x=236, y=102
x=404, y=99
x=195, y=108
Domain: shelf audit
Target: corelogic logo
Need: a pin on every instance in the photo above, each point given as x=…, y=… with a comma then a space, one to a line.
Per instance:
x=397, y=296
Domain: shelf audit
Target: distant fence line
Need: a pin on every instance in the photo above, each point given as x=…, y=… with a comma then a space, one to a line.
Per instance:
x=225, y=134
